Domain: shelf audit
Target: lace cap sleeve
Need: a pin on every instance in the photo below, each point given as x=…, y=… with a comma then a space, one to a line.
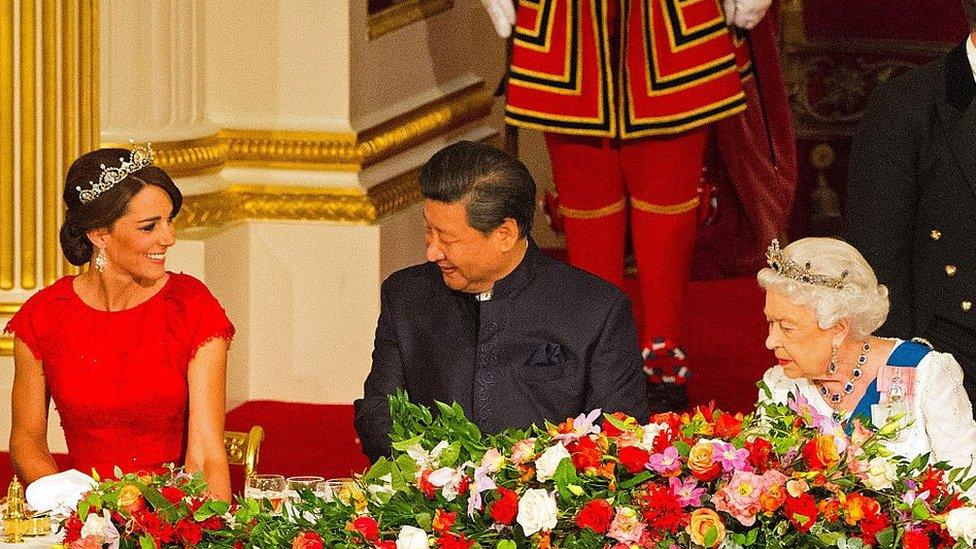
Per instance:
x=200, y=312
x=38, y=315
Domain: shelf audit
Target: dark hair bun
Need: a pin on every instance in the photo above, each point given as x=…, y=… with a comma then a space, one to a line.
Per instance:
x=75, y=244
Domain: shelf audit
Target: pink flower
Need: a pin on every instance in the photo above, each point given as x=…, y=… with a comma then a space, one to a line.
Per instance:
x=688, y=494
x=666, y=462
x=740, y=497
x=731, y=458
x=626, y=526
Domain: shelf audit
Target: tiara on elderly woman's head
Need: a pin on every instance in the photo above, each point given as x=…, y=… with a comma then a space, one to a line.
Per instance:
x=789, y=269
x=139, y=157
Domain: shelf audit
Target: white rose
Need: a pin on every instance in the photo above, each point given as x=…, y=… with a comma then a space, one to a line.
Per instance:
x=650, y=432
x=536, y=511
x=545, y=466
x=961, y=524
x=411, y=538
x=881, y=474
x=100, y=526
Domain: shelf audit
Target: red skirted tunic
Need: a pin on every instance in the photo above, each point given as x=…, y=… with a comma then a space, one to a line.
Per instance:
x=679, y=67
x=119, y=379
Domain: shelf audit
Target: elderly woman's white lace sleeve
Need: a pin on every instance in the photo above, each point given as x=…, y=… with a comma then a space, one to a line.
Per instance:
x=946, y=410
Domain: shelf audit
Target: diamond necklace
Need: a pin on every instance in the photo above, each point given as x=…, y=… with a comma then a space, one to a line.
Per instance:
x=862, y=359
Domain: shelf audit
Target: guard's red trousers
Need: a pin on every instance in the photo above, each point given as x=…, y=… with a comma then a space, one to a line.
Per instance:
x=655, y=180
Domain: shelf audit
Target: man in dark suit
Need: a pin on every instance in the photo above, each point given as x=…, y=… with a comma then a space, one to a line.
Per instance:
x=490, y=322
x=911, y=203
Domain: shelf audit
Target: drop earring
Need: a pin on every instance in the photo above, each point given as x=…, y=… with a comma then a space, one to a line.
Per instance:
x=832, y=365
x=100, y=260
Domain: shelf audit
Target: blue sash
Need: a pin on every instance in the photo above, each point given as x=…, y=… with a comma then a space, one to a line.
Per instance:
x=906, y=355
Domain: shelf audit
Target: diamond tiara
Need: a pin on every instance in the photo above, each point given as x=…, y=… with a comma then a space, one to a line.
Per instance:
x=789, y=269
x=139, y=157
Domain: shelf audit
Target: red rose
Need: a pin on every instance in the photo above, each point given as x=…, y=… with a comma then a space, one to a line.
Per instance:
x=72, y=528
x=801, y=511
x=633, y=458
x=307, y=540
x=728, y=426
x=759, y=452
x=595, y=515
x=586, y=454
x=388, y=544
x=172, y=494
x=454, y=541
x=443, y=520
x=915, y=539
x=189, y=531
x=873, y=522
x=504, y=510
x=213, y=523
x=367, y=527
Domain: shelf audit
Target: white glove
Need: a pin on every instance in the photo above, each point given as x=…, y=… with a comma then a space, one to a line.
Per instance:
x=58, y=491
x=502, y=13
x=744, y=14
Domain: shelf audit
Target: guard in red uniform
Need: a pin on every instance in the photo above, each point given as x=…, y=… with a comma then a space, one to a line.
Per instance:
x=627, y=92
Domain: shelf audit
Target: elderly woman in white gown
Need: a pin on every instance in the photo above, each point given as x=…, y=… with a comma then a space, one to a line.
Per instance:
x=823, y=302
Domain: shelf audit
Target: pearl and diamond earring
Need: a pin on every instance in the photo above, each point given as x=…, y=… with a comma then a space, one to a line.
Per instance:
x=100, y=260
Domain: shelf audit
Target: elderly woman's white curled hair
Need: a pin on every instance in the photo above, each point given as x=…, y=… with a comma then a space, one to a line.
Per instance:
x=861, y=299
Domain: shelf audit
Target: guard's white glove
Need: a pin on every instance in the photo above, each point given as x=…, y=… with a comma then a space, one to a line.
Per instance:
x=744, y=14
x=502, y=13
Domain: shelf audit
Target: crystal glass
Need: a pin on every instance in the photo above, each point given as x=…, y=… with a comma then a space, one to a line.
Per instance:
x=307, y=482
x=331, y=489
x=269, y=487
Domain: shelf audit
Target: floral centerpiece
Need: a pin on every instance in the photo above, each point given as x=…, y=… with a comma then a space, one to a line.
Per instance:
x=145, y=511
x=783, y=477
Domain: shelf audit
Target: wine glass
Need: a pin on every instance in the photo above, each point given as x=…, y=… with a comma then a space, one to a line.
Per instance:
x=305, y=482
x=269, y=487
x=331, y=489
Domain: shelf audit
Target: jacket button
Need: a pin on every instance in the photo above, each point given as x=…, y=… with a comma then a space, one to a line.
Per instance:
x=936, y=234
x=966, y=306
x=950, y=270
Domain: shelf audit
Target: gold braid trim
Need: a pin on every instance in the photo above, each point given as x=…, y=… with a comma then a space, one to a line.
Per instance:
x=669, y=209
x=605, y=211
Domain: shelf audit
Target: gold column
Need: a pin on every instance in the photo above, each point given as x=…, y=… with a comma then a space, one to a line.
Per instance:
x=28, y=148
x=49, y=140
x=88, y=137
x=70, y=148
x=6, y=145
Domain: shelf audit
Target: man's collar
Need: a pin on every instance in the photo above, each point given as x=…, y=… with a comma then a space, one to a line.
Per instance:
x=971, y=53
x=519, y=277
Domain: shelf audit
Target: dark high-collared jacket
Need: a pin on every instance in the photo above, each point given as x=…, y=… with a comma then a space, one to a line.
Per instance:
x=911, y=204
x=552, y=342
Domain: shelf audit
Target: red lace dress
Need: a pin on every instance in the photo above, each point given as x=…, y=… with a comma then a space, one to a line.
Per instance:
x=119, y=379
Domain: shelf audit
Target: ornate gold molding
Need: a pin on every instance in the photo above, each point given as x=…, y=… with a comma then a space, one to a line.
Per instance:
x=335, y=151
x=240, y=202
x=187, y=157
x=353, y=151
x=404, y=13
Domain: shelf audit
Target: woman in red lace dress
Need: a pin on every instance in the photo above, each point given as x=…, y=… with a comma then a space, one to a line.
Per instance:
x=133, y=356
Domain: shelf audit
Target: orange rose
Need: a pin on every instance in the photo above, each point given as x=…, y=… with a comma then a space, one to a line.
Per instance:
x=703, y=521
x=772, y=498
x=130, y=499
x=830, y=509
x=701, y=461
x=856, y=507
x=821, y=452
